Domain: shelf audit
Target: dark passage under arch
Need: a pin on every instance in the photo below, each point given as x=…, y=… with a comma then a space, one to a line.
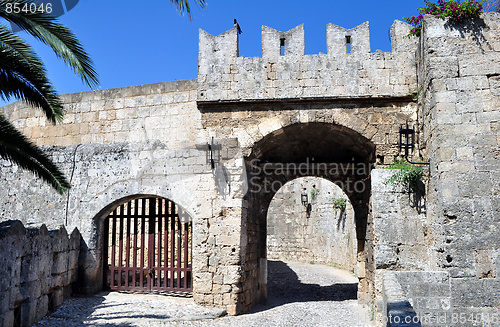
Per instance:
x=330, y=151
x=147, y=247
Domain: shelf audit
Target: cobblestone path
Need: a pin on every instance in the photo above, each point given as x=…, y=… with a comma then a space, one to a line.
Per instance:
x=299, y=295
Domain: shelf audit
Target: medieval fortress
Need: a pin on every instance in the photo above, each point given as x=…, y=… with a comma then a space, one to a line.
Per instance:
x=175, y=185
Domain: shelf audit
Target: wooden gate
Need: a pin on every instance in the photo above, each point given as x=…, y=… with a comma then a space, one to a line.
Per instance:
x=148, y=244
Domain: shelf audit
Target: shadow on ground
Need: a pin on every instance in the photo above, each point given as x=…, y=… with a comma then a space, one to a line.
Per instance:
x=78, y=313
x=284, y=286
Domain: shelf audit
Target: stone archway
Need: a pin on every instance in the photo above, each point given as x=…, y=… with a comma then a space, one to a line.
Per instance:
x=148, y=246
x=92, y=256
x=334, y=152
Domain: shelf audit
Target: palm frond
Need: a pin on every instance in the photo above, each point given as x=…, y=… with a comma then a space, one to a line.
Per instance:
x=491, y=6
x=63, y=42
x=23, y=76
x=16, y=148
x=183, y=5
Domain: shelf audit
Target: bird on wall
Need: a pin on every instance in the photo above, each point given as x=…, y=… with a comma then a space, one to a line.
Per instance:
x=237, y=26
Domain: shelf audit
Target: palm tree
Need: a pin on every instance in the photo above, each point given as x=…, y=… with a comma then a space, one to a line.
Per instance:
x=23, y=77
x=183, y=5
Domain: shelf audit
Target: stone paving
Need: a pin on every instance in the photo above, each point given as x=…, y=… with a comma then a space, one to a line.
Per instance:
x=299, y=295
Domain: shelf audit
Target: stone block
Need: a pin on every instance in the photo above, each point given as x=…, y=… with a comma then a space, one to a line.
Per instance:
x=232, y=309
x=468, y=292
x=42, y=306
x=474, y=65
x=471, y=83
x=419, y=290
x=7, y=319
x=60, y=262
x=439, y=290
x=73, y=257
x=31, y=289
x=203, y=282
x=434, y=277
x=385, y=256
x=29, y=312
x=443, y=67
x=414, y=256
x=478, y=183
x=232, y=274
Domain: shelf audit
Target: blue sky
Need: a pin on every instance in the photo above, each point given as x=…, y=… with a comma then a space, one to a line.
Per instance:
x=142, y=42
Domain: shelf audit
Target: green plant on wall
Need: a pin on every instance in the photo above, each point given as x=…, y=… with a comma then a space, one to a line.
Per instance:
x=416, y=94
x=408, y=176
x=339, y=204
x=314, y=193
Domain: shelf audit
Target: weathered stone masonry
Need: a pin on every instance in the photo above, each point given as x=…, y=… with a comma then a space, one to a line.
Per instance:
x=460, y=115
x=38, y=270
x=338, y=108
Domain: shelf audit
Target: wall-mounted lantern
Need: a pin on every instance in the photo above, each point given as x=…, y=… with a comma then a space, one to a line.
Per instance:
x=213, y=153
x=305, y=202
x=406, y=140
x=304, y=199
x=407, y=143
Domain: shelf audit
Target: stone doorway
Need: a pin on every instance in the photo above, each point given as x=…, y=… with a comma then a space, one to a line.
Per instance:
x=333, y=152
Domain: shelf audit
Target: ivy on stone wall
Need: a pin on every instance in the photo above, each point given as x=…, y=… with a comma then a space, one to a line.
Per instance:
x=407, y=176
x=339, y=204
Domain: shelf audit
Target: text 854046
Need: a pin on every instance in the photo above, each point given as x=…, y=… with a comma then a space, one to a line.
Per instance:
x=28, y=8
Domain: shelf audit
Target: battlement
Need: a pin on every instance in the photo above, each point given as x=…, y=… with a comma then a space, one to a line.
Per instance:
x=348, y=69
x=343, y=41
x=290, y=43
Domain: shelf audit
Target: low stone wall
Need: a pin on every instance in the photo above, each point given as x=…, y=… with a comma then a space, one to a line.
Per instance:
x=421, y=298
x=397, y=309
x=37, y=269
x=429, y=292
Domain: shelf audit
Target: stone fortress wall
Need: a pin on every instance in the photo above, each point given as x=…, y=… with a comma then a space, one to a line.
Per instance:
x=125, y=143
x=369, y=94
x=459, y=112
x=223, y=75
x=38, y=271
x=151, y=140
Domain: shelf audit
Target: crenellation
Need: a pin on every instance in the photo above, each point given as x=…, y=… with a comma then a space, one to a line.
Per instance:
x=341, y=42
x=276, y=44
x=292, y=74
x=400, y=42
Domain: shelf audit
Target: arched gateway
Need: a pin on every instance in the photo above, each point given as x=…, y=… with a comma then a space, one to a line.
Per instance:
x=147, y=246
x=326, y=150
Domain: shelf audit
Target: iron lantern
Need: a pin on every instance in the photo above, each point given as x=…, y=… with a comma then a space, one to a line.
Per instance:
x=304, y=199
